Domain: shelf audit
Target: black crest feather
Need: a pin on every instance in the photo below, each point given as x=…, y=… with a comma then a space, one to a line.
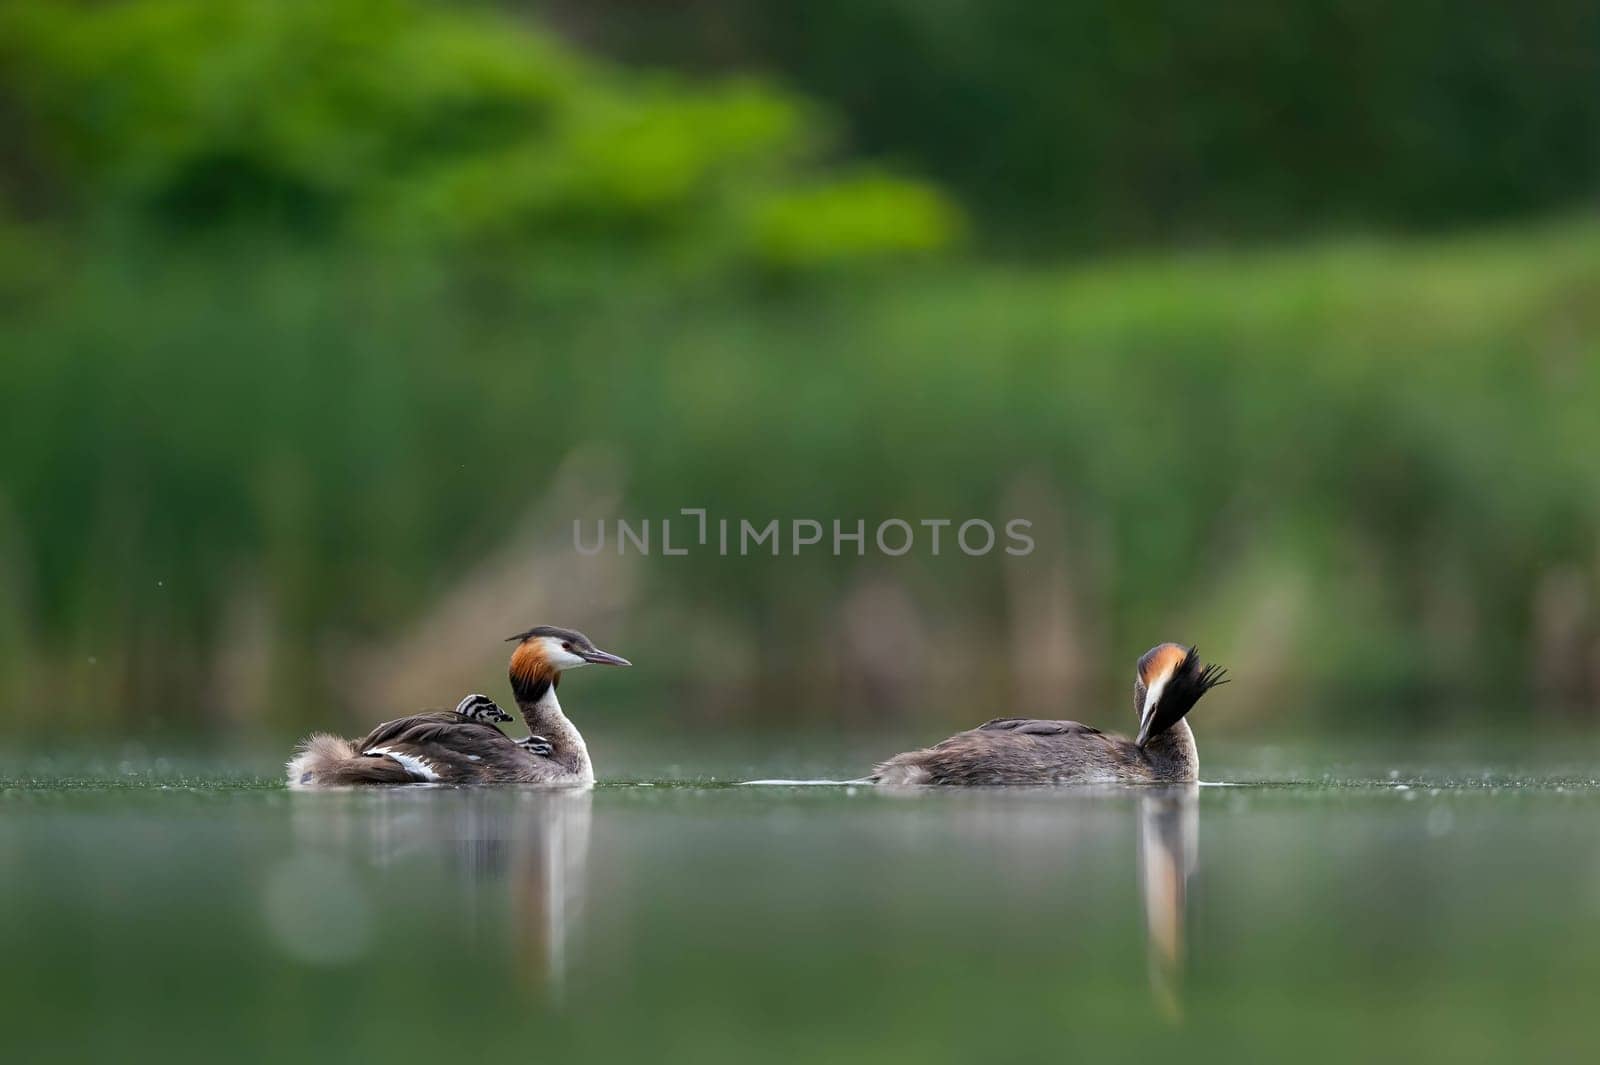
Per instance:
x=569, y=635
x=1188, y=683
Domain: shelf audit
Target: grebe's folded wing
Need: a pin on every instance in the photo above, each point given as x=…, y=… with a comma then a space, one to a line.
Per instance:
x=444, y=747
x=1032, y=727
x=444, y=727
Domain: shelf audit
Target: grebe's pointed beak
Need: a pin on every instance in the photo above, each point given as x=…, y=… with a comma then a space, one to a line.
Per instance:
x=603, y=658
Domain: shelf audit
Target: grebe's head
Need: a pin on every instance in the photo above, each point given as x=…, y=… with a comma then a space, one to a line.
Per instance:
x=543, y=652
x=1169, y=681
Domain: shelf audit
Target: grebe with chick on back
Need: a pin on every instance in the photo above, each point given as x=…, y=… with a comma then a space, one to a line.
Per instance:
x=1168, y=682
x=464, y=746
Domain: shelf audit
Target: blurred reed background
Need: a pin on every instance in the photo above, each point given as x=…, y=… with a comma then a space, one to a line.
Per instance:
x=320, y=323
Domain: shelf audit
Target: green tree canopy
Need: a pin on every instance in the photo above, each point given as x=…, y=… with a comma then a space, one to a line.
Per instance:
x=410, y=122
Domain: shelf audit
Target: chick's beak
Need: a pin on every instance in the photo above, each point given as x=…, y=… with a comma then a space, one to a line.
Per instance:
x=603, y=658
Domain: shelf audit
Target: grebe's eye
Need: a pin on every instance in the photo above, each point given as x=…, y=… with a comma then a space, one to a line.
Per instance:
x=566, y=646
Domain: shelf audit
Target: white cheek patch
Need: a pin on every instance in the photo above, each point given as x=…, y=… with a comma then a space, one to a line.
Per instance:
x=1152, y=697
x=558, y=656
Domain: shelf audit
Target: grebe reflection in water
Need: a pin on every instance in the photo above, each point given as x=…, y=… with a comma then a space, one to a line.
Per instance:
x=1169, y=849
x=517, y=856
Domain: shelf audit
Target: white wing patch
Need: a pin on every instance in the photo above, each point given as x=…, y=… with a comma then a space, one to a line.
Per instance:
x=417, y=767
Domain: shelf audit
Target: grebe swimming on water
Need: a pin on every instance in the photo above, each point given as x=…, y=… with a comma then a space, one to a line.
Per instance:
x=1013, y=750
x=464, y=746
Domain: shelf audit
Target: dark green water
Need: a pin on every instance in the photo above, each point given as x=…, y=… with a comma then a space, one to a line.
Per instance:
x=1328, y=909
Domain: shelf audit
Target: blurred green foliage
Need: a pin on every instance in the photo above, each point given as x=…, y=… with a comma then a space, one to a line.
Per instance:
x=406, y=123
x=1098, y=122
x=1351, y=473
x=305, y=303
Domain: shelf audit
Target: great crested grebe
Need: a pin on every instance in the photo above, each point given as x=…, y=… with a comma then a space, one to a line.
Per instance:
x=464, y=746
x=1013, y=750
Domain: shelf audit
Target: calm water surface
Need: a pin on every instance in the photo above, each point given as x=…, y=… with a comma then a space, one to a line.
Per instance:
x=1446, y=908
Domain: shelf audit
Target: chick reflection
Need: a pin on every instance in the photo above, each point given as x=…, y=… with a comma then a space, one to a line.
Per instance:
x=1169, y=842
x=534, y=842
